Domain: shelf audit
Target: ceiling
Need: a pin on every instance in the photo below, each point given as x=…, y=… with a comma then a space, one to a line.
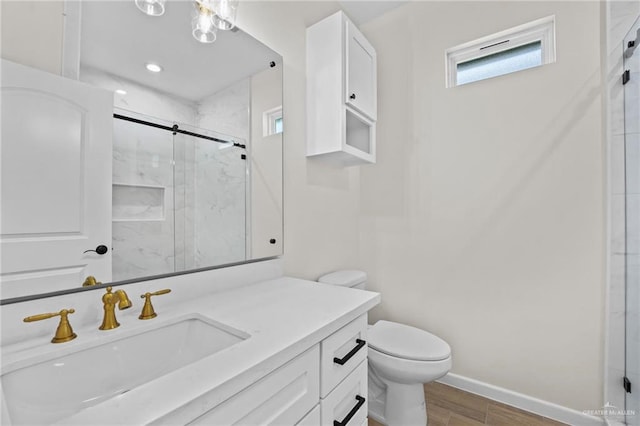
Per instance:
x=363, y=11
x=119, y=39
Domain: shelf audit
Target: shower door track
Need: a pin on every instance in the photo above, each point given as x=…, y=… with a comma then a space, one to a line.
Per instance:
x=175, y=129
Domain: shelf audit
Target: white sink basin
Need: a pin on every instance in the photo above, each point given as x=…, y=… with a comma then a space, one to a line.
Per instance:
x=52, y=389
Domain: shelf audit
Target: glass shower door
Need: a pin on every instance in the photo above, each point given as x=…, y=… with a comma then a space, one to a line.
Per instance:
x=211, y=200
x=632, y=169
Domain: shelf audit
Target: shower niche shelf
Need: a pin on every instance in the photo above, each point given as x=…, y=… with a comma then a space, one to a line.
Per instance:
x=341, y=93
x=137, y=202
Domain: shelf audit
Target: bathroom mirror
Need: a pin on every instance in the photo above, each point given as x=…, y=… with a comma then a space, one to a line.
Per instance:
x=197, y=147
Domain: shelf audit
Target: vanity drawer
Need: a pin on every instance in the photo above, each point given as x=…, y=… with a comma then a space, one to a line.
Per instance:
x=311, y=419
x=347, y=403
x=341, y=353
x=281, y=398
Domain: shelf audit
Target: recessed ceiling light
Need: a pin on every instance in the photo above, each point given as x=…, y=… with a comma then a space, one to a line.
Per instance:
x=154, y=67
x=121, y=92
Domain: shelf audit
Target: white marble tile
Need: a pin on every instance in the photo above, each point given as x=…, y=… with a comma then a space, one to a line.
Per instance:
x=633, y=223
x=220, y=205
x=142, y=248
x=618, y=270
x=227, y=111
x=617, y=164
x=616, y=92
x=142, y=155
x=632, y=103
x=632, y=167
x=137, y=202
x=621, y=16
x=618, y=240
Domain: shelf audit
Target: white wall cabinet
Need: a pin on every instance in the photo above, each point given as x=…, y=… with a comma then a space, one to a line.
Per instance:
x=325, y=384
x=341, y=92
x=360, y=66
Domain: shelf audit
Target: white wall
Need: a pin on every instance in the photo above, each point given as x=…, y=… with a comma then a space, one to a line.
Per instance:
x=37, y=42
x=483, y=219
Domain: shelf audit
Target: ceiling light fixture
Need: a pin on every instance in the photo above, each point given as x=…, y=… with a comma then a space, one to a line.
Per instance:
x=202, y=26
x=151, y=7
x=209, y=17
x=153, y=67
x=121, y=92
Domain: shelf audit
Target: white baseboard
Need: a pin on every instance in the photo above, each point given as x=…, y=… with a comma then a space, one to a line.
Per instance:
x=524, y=402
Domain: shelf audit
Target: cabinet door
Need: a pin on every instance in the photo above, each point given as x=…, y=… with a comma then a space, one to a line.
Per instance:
x=360, y=64
x=56, y=181
x=347, y=403
x=311, y=419
x=281, y=398
x=341, y=353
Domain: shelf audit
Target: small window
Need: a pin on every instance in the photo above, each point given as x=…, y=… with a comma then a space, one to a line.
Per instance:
x=277, y=124
x=272, y=122
x=527, y=46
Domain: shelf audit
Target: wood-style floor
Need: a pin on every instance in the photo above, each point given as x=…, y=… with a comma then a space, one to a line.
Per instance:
x=448, y=406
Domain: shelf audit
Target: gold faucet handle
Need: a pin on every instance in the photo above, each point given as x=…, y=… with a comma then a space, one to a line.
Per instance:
x=147, y=310
x=90, y=281
x=64, y=332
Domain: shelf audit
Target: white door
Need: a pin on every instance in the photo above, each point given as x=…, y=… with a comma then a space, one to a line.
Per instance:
x=55, y=182
x=361, y=73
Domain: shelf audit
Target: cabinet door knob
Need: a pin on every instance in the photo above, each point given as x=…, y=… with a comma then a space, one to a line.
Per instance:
x=101, y=249
x=353, y=96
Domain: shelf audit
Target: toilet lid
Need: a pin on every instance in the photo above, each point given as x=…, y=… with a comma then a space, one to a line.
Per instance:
x=407, y=342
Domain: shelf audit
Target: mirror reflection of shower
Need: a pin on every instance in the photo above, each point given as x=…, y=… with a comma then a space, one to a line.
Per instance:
x=179, y=197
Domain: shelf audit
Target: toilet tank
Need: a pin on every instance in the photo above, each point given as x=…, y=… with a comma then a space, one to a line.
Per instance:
x=346, y=278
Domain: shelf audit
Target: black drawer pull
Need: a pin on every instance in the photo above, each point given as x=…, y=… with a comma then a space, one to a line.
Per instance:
x=352, y=352
x=352, y=413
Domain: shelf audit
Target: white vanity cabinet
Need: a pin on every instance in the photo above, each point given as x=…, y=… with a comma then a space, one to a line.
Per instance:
x=282, y=397
x=341, y=92
x=325, y=384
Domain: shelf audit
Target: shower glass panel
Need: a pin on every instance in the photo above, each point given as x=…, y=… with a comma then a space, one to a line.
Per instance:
x=632, y=171
x=142, y=203
x=179, y=200
x=211, y=205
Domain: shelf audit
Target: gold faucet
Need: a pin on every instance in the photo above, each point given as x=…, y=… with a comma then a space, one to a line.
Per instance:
x=109, y=300
x=147, y=310
x=64, y=332
x=90, y=281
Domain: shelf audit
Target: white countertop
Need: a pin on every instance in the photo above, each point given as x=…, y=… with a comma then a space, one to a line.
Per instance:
x=284, y=317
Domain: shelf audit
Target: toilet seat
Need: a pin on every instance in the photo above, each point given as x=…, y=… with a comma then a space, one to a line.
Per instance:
x=406, y=342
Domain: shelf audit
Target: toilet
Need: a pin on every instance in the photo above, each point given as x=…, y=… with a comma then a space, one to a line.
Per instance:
x=401, y=359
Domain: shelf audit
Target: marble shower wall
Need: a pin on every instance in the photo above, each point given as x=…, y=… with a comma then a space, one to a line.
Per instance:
x=143, y=191
x=176, y=205
x=220, y=221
